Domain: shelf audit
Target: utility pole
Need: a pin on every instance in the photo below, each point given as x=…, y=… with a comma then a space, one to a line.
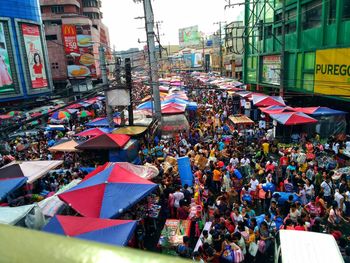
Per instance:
x=149, y=21
x=221, y=62
x=105, y=83
x=158, y=37
x=283, y=50
x=129, y=86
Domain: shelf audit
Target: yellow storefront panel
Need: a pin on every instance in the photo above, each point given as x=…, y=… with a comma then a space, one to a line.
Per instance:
x=332, y=72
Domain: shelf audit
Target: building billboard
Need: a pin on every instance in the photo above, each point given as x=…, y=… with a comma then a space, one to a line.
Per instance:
x=79, y=51
x=6, y=81
x=271, y=70
x=189, y=36
x=332, y=72
x=35, y=55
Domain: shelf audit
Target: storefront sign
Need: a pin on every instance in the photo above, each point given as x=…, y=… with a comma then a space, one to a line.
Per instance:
x=6, y=81
x=332, y=72
x=35, y=55
x=271, y=70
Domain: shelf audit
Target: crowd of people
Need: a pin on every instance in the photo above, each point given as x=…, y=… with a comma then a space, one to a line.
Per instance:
x=249, y=186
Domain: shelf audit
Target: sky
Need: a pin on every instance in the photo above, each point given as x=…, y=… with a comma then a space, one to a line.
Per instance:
x=125, y=31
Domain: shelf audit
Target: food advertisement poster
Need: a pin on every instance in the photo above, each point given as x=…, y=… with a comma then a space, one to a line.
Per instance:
x=79, y=51
x=6, y=82
x=35, y=55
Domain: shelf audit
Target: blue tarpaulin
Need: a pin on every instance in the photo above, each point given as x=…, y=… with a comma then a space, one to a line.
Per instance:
x=185, y=171
x=9, y=185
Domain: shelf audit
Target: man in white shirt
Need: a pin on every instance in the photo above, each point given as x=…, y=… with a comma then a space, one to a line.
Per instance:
x=178, y=195
x=253, y=184
x=234, y=160
x=326, y=186
x=339, y=198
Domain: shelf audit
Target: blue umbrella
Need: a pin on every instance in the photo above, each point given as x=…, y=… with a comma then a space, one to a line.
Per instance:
x=9, y=185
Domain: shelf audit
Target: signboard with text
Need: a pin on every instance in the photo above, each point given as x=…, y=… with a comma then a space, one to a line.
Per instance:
x=6, y=80
x=271, y=70
x=189, y=36
x=332, y=72
x=70, y=41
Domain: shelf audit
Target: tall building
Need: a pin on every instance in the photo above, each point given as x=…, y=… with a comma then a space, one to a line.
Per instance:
x=24, y=69
x=74, y=30
x=316, y=51
x=233, y=55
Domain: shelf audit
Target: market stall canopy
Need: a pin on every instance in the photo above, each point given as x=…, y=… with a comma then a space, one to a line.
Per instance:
x=103, y=122
x=320, y=111
x=173, y=108
x=33, y=249
x=29, y=216
x=68, y=146
x=240, y=119
x=145, y=105
x=277, y=109
x=9, y=185
x=93, y=132
x=131, y=130
x=292, y=118
x=108, y=193
x=266, y=100
x=5, y=117
x=33, y=170
x=50, y=205
x=112, y=232
x=175, y=100
x=192, y=106
x=60, y=115
x=146, y=171
x=52, y=127
x=105, y=142
x=74, y=106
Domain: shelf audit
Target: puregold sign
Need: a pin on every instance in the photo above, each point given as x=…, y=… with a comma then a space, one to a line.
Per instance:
x=332, y=72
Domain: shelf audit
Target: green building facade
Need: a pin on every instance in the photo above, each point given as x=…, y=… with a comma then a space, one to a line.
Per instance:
x=317, y=46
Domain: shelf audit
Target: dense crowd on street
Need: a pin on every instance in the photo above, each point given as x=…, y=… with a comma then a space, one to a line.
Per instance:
x=249, y=185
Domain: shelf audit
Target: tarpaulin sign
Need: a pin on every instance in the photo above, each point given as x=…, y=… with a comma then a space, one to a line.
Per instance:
x=185, y=171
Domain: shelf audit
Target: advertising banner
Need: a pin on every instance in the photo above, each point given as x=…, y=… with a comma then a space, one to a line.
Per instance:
x=189, y=36
x=70, y=41
x=332, y=72
x=79, y=51
x=6, y=82
x=197, y=60
x=271, y=70
x=35, y=55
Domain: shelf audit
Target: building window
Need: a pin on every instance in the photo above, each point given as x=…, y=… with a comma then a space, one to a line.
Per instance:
x=57, y=9
x=278, y=31
x=309, y=61
x=92, y=15
x=308, y=82
x=291, y=27
x=268, y=31
x=51, y=37
x=311, y=14
x=90, y=3
x=346, y=9
x=332, y=11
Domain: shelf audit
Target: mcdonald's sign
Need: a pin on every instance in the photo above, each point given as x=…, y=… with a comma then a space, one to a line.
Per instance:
x=70, y=41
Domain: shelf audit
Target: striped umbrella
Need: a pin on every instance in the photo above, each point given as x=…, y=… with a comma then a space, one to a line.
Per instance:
x=15, y=113
x=84, y=114
x=60, y=115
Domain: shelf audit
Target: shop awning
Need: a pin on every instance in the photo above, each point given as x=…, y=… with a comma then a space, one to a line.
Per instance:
x=105, y=142
x=319, y=111
x=240, y=119
x=266, y=100
x=68, y=146
x=292, y=118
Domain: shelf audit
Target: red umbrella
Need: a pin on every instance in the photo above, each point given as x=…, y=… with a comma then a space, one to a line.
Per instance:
x=292, y=118
x=266, y=100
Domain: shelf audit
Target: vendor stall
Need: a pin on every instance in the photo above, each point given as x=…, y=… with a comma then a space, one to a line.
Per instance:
x=172, y=234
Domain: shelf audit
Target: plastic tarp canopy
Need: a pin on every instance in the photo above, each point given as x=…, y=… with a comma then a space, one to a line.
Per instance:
x=50, y=206
x=173, y=108
x=112, y=232
x=55, y=128
x=33, y=170
x=145, y=105
x=29, y=216
x=108, y=193
x=174, y=123
x=319, y=111
x=68, y=146
x=175, y=100
x=33, y=249
x=266, y=100
x=131, y=130
x=102, y=122
x=7, y=186
x=93, y=132
x=146, y=171
x=241, y=119
x=292, y=118
x=184, y=166
x=277, y=109
x=105, y=142
x=192, y=106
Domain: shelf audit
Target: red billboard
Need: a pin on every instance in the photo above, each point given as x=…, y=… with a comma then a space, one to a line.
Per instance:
x=70, y=41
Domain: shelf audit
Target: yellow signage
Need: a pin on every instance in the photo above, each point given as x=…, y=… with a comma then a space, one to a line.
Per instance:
x=332, y=72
